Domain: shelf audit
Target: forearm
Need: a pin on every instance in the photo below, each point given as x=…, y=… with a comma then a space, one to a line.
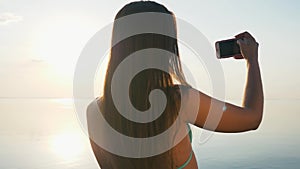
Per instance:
x=253, y=96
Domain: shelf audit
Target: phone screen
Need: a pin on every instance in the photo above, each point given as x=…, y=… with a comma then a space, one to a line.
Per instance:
x=228, y=48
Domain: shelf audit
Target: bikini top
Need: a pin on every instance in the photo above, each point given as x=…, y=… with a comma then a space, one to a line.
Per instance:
x=191, y=154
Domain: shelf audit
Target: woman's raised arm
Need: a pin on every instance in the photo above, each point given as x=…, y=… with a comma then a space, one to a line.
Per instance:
x=236, y=118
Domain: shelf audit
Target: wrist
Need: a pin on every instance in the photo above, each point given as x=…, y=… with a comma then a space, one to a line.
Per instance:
x=252, y=62
x=252, y=59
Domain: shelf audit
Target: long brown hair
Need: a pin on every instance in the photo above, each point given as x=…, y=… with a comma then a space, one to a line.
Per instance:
x=142, y=84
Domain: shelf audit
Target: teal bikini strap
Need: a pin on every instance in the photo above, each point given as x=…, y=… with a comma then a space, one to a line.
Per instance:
x=190, y=132
x=187, y=161
x=191, y=154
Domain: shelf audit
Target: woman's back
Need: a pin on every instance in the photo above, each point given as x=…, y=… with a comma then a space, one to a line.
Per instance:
x=178, y=155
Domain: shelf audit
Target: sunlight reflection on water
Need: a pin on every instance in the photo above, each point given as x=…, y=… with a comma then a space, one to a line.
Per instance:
x=41, y=133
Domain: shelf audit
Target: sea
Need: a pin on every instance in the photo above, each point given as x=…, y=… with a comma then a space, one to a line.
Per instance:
x=43, y=133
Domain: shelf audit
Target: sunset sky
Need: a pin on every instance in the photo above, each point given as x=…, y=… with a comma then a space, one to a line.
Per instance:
x=40, y=41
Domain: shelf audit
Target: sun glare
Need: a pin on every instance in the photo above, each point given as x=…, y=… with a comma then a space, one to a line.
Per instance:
x=59, y=42
x=68, y=145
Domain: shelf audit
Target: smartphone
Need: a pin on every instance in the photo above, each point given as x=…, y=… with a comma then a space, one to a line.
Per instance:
x=227, y=48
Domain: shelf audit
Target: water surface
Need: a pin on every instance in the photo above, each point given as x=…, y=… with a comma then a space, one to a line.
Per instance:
x=45, y=134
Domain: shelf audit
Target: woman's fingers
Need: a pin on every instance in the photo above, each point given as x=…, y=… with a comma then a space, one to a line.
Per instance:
x=238, y=57
x=245, y=35
x=248, y=45
x=240, y=36
x=241, y=42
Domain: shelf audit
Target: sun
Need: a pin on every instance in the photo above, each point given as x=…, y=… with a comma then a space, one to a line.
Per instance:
x=68, y=145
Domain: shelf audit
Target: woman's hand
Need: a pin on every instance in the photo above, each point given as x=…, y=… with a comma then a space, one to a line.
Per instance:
x=235, y=118
x=248, y=46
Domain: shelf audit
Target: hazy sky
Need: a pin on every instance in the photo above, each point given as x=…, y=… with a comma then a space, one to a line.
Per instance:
x=40, y=41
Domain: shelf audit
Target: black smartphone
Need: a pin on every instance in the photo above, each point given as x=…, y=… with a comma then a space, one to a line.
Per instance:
x=227, y=48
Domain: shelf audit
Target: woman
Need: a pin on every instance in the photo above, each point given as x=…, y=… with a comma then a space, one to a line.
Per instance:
x=234, y=118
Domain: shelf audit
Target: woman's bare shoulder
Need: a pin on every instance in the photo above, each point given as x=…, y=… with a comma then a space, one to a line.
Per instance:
x=94, y=106
x=183, y=91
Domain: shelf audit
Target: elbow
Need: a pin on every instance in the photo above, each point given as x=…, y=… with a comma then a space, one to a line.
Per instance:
x=256, y=126
x=257, y=122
